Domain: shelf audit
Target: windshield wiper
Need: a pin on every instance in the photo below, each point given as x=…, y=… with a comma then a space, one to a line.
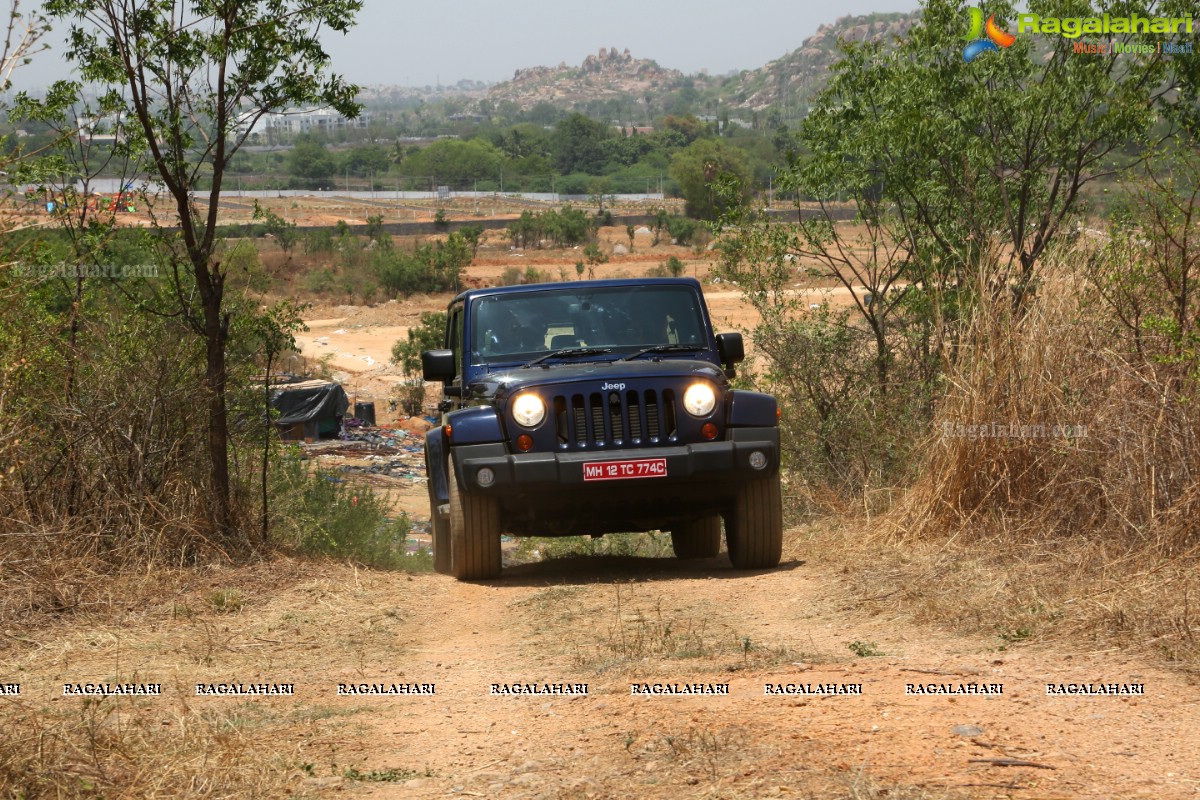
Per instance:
x=664, y=348
x=570, y=352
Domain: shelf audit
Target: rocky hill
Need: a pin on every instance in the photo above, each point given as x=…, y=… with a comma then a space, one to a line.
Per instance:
x=610, y=73
x=789, y=82
x=793, y=80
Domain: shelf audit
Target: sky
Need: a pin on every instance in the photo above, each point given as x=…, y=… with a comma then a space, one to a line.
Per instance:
x=444, y=41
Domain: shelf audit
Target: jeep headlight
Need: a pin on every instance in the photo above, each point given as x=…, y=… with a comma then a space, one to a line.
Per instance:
x=528, y=410
x=699, y=400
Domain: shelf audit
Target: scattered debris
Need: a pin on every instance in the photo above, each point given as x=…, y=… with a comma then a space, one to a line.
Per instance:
x=369, y=450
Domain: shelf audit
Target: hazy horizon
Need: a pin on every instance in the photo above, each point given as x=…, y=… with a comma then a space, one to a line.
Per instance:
x=432, y=44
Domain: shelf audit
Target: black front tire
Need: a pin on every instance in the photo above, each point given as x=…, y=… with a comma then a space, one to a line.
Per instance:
x=754, y=528
x=700, y=538
x=439, y=528
x=474, y=534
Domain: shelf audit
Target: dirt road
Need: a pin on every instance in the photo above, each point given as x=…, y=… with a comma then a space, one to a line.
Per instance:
x=612, y=623
x=625, y=622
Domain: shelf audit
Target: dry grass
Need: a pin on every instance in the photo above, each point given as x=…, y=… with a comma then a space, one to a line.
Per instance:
x=109, y=748
x=618, y=627
x=1078, y=594
x=1092, y=439
x=182, y=625
x=1085, y=536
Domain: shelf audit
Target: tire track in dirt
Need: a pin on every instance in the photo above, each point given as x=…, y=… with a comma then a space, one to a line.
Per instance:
x=611, y=622
x=558, y=622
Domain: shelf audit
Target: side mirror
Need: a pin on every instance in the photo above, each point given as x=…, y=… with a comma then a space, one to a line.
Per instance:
x=438, y=365
x=731, y=348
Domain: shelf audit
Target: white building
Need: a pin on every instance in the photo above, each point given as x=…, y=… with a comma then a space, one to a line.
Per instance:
x=306, y=120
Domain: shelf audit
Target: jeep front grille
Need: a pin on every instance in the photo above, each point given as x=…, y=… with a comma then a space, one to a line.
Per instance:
x=602, y=419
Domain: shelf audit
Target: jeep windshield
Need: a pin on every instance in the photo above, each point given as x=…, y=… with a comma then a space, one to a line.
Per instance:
x=603, y=322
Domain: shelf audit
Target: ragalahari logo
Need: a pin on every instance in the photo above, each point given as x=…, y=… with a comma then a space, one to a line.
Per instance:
x=984, y=37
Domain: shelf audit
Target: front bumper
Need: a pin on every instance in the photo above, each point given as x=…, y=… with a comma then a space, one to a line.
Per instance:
x=726, y=462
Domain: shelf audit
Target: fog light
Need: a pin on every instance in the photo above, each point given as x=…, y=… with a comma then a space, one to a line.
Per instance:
x=709, y=431
x=524, y=443
x=758, y=459
x=485, y=477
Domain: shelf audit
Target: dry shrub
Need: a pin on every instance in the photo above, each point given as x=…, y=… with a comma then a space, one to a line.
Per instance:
x=1089, y=530
x=174, y=745
x=107, y=456
x=111, y=748
x=1049, y=429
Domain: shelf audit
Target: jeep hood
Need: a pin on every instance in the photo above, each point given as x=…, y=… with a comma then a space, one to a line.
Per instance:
x=507, y=380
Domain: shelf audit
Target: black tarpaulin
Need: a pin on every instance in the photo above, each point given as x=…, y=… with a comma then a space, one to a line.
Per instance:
x=309, y=401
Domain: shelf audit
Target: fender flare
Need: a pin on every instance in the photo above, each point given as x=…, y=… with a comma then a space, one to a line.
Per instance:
x=752, y=409
x=436, y=454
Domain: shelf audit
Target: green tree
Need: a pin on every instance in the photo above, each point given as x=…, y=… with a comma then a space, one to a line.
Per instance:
x=683, y=229
x=284, y=232
x=543, y=113
x=427, y=335
x=196, y=85
x=435, y=267
x=982, y=161
x=962, y=177
x=310, y=163
x=523, y=141
x=526, y=229
x=366, y=161
x=594, y=257
x=473, y=235
x=680, y=131
x=275, y=331
x=598, y=190
x=375, y=227
x=23, y=35
x=578, y=145
x=454, y=162
x=697, y=168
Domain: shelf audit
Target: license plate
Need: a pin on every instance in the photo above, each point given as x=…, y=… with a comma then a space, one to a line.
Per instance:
x=621, y=470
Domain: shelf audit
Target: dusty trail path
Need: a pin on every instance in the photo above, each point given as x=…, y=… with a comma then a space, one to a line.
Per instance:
x=558, y=622
x=610, y=622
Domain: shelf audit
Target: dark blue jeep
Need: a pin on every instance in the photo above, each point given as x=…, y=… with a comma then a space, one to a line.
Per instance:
x=595, y=407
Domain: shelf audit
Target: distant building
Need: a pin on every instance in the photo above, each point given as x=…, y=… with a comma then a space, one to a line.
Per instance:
x=307, y=120
x=106, y=129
